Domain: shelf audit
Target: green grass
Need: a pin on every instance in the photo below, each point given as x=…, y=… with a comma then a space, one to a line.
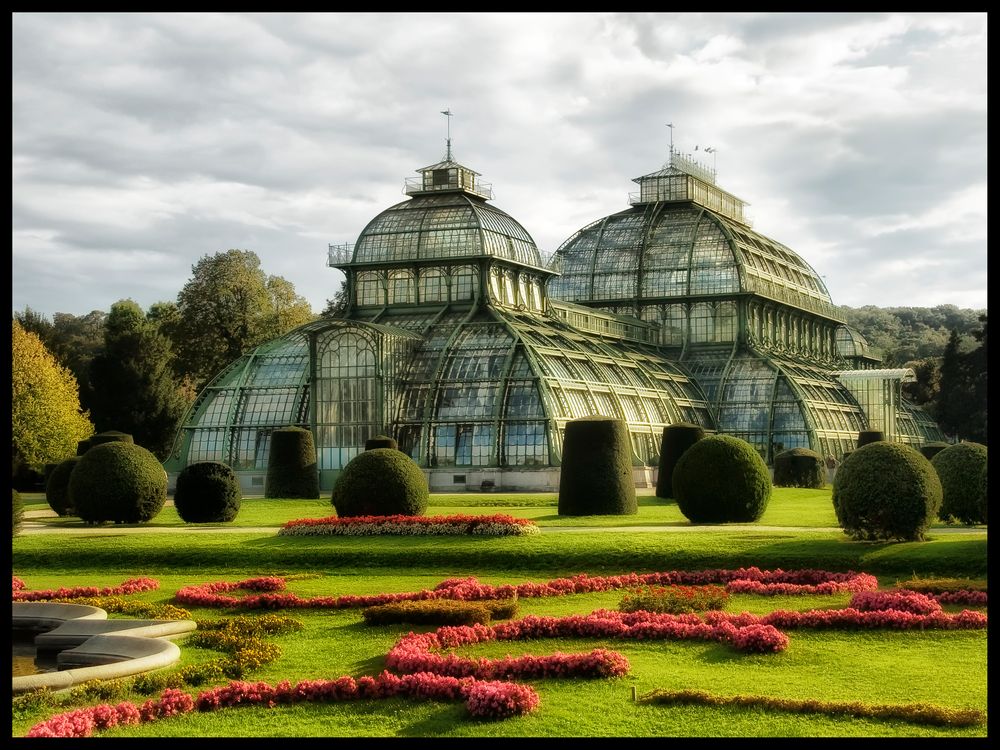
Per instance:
x=943, y=668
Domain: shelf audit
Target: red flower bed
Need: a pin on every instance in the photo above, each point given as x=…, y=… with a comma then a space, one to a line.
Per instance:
x=495, y=525
x=904, y=601
x=130, y=586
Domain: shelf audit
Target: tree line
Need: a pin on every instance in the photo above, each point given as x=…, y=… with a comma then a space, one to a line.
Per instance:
x=138, y=371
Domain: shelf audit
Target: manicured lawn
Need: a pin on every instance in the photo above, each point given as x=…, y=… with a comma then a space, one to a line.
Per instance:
x=945, y=668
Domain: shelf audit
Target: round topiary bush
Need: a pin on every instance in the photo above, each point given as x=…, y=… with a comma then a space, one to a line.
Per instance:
x=870, y=436
x=962, y=471
x=17, y=512
x=596, y=475
x=380, y=482
x=722, y=479
x=676, y=439
x=117, y=481
x=929, y=450
x=291, y=465
x=886, y=491
x=110, y=436
x=381, y=441
x=207, y=492
x=57, y=487
x=799, y=467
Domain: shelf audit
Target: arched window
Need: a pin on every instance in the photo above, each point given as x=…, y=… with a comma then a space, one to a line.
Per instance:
x=371, y=288
x=463, y=284
x=400, y=287
x=433, y=286
x=725, y=321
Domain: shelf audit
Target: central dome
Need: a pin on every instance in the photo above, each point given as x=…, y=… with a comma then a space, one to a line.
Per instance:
x=447, y=218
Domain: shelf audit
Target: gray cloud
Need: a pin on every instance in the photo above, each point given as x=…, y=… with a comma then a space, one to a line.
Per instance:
x=143, y=141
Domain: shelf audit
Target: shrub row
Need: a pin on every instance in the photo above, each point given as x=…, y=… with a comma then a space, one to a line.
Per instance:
x=493, y=525
x=129, y=586
x=674, y=599
x=440, y=612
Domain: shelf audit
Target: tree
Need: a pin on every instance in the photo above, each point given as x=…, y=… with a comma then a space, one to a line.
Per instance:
x=950, y=408
x=46, y=419
x=135, y=388
x=73, y=340
x=337, y=306
x=227, y=308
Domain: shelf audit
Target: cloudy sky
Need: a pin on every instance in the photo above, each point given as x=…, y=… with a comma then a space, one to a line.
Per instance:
x=142, y=142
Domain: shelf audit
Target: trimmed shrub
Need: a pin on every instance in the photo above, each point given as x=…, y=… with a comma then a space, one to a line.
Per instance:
x=440, y=612
x=291, y=465
x=207, y=492
x=117, y=481
x=929, y=450
x=83, y=446
x=676, y=439
x=381, y=441
x=870, y=436
x=799, y=467
x=110, y=436
x=57, y=487
x=380, y=482
x=721, y=479
x=17, y=512
x=675, y=600
x=596, y=476
x=886, y=491
x=962, y=471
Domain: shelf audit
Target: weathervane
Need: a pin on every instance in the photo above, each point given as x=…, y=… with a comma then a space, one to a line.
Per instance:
x=671, y=126
x=447, y=113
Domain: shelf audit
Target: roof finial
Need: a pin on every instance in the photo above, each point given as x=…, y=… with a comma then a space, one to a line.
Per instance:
x=671, y=126
x=447, y=113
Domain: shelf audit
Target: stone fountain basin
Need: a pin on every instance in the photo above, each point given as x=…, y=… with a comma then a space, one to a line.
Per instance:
x=92, y=647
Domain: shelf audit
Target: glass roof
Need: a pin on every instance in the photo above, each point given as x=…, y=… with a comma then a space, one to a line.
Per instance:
x=443, y=226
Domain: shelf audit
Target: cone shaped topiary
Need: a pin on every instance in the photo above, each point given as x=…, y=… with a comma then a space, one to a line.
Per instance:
x=799, y=467
x=962, y=471
x=869, y=436
x=380, y=482
x=676, y=439
x=596, y=475
x=929, y=450
x=57, y=487
x=721, y=479
x=381, y=441
x=118, y=481
x=886, y=491
x=207, y=492
x=291, y=465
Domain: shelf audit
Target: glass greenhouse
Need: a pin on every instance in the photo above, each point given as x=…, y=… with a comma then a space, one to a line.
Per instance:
x=473, y=354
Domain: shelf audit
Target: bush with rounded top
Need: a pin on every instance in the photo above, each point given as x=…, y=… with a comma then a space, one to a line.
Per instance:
x=380, y=482
x=722, y=479
x=596, y=475
x=57, y=487
x=17, y=512
x=886, y=491
x=962, y=471
x=291, y=465
x=676, y=439
x=870, y=436
x=117, y=481
x=929, y=450
x=381, y=441
x=207, y=492
x=110, y=436
x=799, y=467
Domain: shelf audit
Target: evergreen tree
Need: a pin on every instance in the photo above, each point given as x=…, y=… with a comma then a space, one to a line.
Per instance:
x=949, y=412
x=135, y=388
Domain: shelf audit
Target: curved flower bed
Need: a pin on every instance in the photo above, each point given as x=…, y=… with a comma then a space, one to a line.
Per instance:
x=495, y=525
x=129, y=586
x=752, y=580
x=494, y=700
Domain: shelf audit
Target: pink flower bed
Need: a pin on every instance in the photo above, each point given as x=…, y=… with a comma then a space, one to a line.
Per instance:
x=130, y=586
x=493, y=700
x=752, y=580
x=975, y=598
x=495, y=525
x=903, y=601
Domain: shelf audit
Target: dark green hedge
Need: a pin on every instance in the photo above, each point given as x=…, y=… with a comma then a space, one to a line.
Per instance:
x=207, y=492
x=596, y=475
x=381, y=441
x=57, y=487
x=799, y=467
x=886, y=491
x=676, y=439
x=380, y=482
x=291, y=465
x=869, y=436
x=440, y=612
x=17, y=512
x=929, y=450
x=722, y=479
x=962, y=471
x=118, y=481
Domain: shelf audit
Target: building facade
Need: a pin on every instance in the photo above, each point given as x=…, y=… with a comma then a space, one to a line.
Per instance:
x=473, y=353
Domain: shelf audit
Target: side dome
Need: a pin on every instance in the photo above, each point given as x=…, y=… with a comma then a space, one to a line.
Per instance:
x=447, y=217
x=658, y=250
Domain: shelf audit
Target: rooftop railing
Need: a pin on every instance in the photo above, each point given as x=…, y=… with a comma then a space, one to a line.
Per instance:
x=416, y=185
x=337, y=255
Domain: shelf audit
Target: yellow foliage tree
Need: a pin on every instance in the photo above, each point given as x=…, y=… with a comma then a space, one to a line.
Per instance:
x=46, y=420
